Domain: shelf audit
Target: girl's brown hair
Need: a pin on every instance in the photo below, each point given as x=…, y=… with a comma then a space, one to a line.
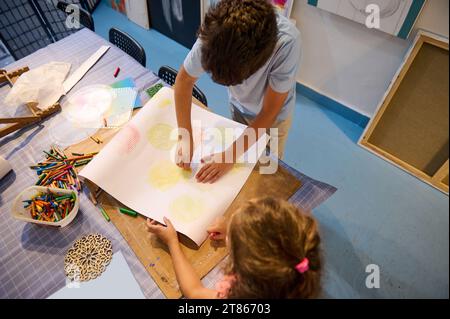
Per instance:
x=267, y=239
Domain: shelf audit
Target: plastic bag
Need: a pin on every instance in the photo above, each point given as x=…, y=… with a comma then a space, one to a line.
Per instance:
x=42, y=85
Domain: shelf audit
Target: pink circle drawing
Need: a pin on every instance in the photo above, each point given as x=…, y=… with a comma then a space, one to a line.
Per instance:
x=128, y=138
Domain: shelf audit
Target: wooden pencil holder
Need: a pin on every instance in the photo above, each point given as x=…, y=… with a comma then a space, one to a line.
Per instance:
x=37, y=115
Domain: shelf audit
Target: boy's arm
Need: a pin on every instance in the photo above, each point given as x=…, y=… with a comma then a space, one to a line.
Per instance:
x=281, y=80
x=184, y=84
x=272, y=105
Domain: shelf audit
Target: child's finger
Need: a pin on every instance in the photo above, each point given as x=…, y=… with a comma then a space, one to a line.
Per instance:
x=214, y=231
x=208, y=178
x=216, y=236
x=210, y=170
x=216, y=226
x=153, y=226
x=201, y=171
x=168, y=222
x=218, y=176
x=204, y=171
x=214, y=178
x=152, y=229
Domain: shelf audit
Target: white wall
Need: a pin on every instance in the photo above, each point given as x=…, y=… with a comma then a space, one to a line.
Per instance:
x=350, y=63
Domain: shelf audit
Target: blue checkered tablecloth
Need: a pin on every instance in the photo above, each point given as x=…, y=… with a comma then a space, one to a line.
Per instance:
x=32, y=258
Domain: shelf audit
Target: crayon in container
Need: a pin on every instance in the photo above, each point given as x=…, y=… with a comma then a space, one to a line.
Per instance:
x=25, y=210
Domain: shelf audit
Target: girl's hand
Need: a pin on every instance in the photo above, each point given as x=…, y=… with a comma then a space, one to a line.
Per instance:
x=216, y=166
x=218, y=230
x=167, y=234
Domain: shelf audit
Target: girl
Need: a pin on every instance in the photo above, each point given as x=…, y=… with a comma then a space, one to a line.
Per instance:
x=274, y=253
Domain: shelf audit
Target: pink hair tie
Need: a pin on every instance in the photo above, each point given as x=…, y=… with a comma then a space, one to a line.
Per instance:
x=303, y=266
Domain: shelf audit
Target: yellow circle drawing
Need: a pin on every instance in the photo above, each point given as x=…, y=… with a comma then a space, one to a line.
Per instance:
x=159, y=136
x=165, y=103
x=186, y=209
x=165, y=175
x=237, y=167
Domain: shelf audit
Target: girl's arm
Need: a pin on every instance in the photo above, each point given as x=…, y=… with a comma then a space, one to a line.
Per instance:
x=187, y=278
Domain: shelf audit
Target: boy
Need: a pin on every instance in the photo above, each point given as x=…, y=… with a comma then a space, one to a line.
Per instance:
x=246, y=46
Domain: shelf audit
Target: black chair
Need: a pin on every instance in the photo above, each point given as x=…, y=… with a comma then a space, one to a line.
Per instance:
x=168, y=75
x=127, y=44
x=85, y=17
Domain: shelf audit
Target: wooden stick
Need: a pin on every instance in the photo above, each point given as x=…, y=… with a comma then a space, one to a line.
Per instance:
x=18, y=123
x=92, y=198
x=24, y=119
x=98, y=192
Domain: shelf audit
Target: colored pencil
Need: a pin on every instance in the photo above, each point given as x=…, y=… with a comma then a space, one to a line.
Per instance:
x=105, y=215
x=128, y=212
x=57, y=170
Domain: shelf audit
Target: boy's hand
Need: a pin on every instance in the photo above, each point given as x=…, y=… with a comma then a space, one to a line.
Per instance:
x=167, y=234
x=214, y=168
x=218, y=230
x=184, y=152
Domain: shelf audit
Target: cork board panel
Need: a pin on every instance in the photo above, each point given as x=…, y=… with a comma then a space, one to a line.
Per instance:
x=445, y=181
x=414, y=127
x=152, y=253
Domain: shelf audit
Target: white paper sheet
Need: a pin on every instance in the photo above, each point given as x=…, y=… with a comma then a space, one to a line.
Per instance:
x=136, y=167
x=117, y=282
x=76, y=76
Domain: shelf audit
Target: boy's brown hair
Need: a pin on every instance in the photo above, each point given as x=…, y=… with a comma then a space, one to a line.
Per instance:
x=267, y=239
x=238, y=37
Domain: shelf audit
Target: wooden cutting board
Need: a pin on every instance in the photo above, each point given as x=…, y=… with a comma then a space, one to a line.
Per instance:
x=152, y=253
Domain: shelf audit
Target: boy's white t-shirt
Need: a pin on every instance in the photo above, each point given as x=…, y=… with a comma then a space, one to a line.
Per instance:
x=279, y=72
